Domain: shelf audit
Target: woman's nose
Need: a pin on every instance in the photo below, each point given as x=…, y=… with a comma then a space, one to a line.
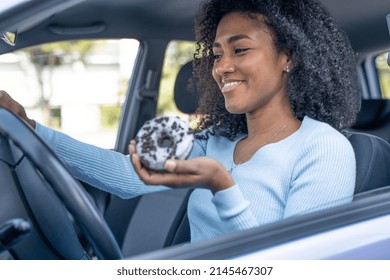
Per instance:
x=224, y=66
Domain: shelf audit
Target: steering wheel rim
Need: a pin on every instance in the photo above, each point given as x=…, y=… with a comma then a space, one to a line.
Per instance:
x=69, y=191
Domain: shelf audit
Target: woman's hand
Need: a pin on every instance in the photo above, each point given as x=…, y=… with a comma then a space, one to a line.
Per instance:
x=202, y=172
x=11, y=105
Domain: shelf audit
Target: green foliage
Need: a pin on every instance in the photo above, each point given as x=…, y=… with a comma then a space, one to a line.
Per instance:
x=51, y=53
x=68, y=46
x=178, y=53
x=384, y=75
x=55, y=118
x=110, y=116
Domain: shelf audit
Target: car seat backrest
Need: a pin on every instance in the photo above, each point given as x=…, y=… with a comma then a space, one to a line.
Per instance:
x=374, y=118
x=159, y=220
x=372, y=161
x=156, y=220
x=166, y=211
x=185, y=96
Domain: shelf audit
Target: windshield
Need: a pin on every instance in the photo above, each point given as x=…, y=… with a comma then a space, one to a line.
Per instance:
x=7, y=4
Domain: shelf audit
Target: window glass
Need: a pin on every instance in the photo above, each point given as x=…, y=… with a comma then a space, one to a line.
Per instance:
x=178, y=53
x=383, y=74
x=77, y=87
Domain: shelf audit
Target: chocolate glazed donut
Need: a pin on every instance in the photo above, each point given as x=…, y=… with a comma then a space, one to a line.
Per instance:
x=163, y=138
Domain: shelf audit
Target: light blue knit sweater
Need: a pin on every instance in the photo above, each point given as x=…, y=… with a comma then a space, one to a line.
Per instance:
x=312, y=169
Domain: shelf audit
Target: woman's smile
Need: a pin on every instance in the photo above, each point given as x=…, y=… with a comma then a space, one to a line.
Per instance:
x=230, y=85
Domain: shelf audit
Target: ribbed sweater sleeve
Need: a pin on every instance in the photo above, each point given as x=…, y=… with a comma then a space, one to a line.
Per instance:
x=323, y=176
x=233, y=210
x=102, y=168
x=105, y=169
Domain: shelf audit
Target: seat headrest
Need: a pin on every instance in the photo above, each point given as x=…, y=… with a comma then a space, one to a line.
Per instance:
x=186, y=98
x=373, y=113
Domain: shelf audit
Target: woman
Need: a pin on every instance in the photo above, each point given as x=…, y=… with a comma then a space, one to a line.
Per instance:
x=278, y=79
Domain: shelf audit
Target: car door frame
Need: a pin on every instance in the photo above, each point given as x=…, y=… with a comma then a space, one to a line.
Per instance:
x=287, y=239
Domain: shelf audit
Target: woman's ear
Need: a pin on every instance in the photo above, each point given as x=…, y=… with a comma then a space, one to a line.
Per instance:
x=289, y=64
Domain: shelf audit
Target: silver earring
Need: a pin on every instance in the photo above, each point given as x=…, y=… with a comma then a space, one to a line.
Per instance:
x=288, y=69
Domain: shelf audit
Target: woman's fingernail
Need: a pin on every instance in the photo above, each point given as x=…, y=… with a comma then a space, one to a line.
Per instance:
x=170, y=165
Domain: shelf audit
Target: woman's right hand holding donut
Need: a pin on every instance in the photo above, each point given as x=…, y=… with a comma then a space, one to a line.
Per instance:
x=11, y=105
x=202, y=172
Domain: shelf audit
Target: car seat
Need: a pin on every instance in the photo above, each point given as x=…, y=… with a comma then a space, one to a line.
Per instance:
x=155, y=220
x=186, y=96
x=372, y=161
x=374, y=118
x=370, y=137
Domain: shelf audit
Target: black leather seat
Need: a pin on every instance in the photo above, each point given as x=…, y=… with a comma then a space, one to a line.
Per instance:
x=374, y=118
x=155, y=220
x=185, y=96
x=372, y=161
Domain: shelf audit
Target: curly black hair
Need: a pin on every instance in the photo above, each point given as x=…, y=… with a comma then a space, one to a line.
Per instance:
x=323, y=82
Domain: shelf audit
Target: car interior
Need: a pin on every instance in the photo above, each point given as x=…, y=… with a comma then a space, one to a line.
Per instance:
x=63, y=218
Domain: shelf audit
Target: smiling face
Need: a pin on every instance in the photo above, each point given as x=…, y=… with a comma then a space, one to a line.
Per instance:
x=249, y=71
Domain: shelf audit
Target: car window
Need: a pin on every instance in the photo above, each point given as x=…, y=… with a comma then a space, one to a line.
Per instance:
x=77, y=87
x=5, y=5
x=383, y=71
x=177, y=54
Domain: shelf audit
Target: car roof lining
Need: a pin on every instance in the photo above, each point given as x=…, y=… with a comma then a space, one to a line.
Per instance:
x=156, y=19
x=29, y=14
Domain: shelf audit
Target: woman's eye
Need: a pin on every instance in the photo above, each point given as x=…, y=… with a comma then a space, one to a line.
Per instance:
x=217, y=56
x=240, y=51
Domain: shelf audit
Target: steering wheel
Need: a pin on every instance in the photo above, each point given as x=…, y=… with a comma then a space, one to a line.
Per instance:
x=67, y=190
